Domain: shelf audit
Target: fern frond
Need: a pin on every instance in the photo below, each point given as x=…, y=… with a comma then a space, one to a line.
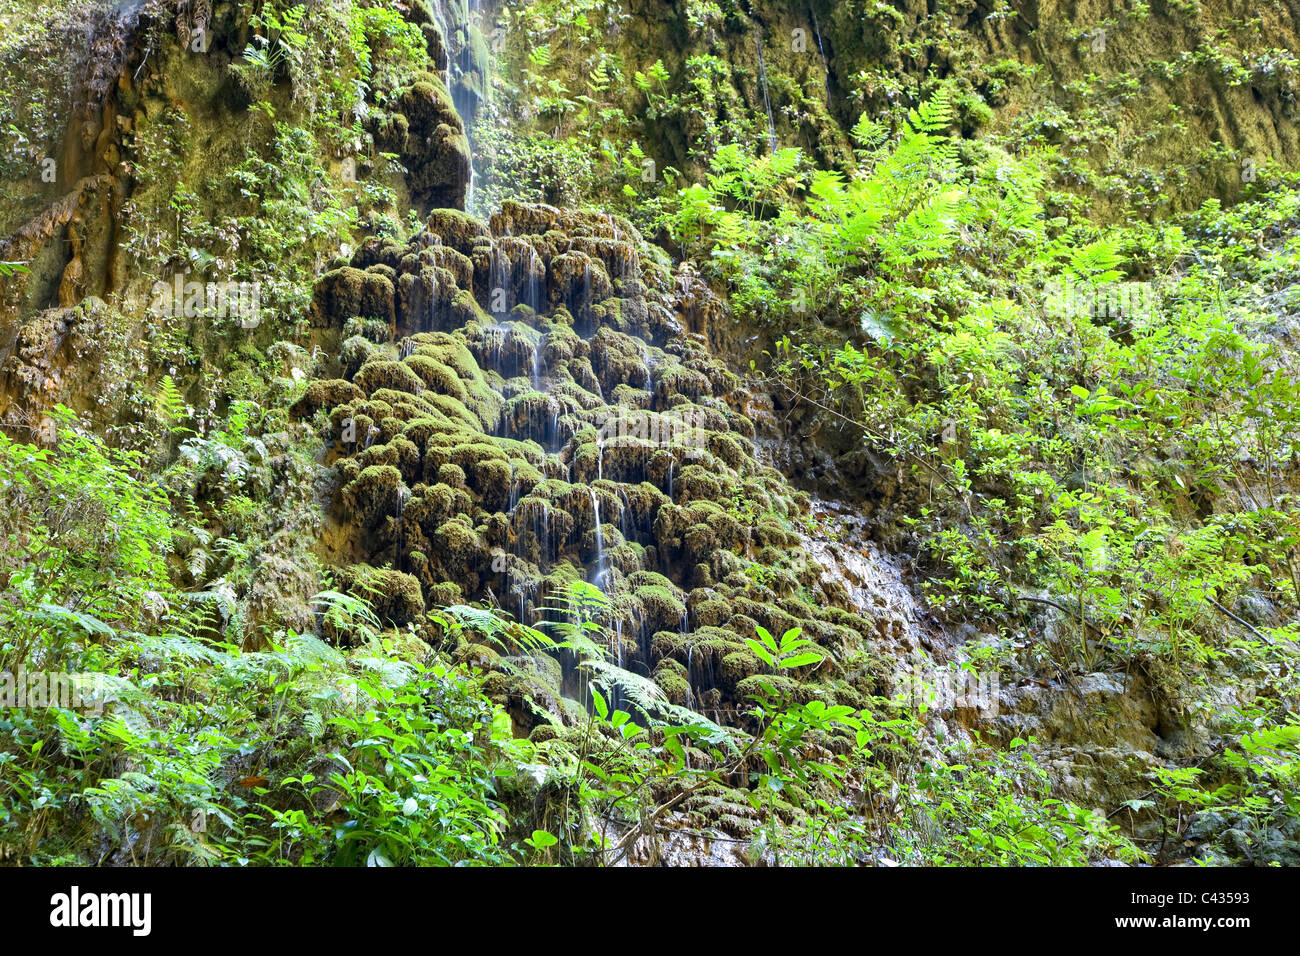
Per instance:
x=867, y=133
x=934, y=116
x=656, y=708
x=640, y=691
x=1097, y=260
x=347, y=613
x=56, y=614
x=311, y=651
x=508, y=635
x=391, y=673
x=176, y=647
x=169, y=403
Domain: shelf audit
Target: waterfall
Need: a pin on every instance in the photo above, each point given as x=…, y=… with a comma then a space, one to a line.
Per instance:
x=817, y=31
x=498, y=281
x=599, y=577
x=498, y=345
x=642, y=639
x=399, y=509
x=586, y=288
x=542, y=532
x=534, y=289
x=767, y=102
x=468, y=96
x=649, y=369
x=431, y=314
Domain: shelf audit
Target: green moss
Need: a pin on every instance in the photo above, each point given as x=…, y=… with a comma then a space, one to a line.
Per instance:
x=456, y=229
x=672, y=680
x=437, y=376
x=394, y=375
x=395, y=597
x=456, y=536
x=710, y=612
x=373, y=493
x=325, y=393
x=662, y=605
x=478, y=656
x=737, y=666
x=452, y=475
x=784, y=687
x=349, y=292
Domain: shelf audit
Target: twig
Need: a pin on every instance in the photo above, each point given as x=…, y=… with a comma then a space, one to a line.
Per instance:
x=1245, y=624
x=870, y=431
x=1064, y=610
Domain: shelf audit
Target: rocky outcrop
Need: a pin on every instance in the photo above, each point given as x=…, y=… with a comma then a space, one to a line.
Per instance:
x=532, y=409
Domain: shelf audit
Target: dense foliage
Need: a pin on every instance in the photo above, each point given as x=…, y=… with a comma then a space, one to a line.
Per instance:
x=1083, y=431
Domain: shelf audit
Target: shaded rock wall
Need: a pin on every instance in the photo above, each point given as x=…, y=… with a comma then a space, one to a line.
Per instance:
x=1152, y=107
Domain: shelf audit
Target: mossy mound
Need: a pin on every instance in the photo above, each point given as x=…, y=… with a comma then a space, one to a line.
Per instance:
x=499, y=459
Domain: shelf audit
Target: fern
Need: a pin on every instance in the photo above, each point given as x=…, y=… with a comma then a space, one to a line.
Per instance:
x=928, y=232
x=640, y=691
x=510, y=636
x=168, y=403
x=348, y=613
x=868, y=133
x=933, y=116
x=829, y=199
x=1097, y=261
x=657, y=710
x=86, y=623
x=311, y=651
x=169, y=648
x=391, y=673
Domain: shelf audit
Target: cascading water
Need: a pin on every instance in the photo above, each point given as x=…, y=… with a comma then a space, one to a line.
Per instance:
x=623, y=513
x=497, y=334
x=599, y=579
x=767, y=101
x=817, y=31
x=399, y=509
x=499, y=285
x=537, y=382
x=533, y=290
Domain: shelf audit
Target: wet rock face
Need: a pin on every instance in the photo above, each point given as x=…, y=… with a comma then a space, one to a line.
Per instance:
x=70, y=356
x=426, y=131
x=517, y=405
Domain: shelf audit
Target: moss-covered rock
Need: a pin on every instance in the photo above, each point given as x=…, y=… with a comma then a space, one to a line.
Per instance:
x=325, y=393
x=349, y=292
